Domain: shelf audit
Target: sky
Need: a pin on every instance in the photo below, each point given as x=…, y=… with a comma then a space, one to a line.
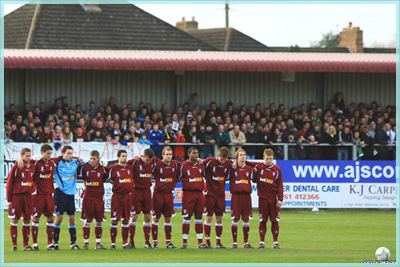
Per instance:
x=284, y=24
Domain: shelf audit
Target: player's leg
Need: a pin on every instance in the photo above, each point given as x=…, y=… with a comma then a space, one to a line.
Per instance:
x=219, y=213
x=274, y=224
x=246, y=214
x=57, y=227
x=115, y=217
x=146, y=209
x=157, y=209
x=48, y=212
x=135, y=210
x=86, y=232
x=98, y=229
x=72, y=230
x=70, y=209
x=198, y=216
x=14, y=215
x=262, y=226
x=235, y=212
x=27, y=208
x=126, y=205
x=14, y=233
x=210, y=204
x=146, y=229
x=35, y=232
x=168, y=212
x=37, y=212
x=187, y=212
x=87, y=220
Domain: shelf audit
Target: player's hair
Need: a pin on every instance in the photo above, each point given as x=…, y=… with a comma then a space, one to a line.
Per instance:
x=240, y=150
x=120, y=152
x=191, y=149
x=167, y=148
x=95, y=153
x=65, y=148
x=268, y=152
x=148, y=152
x=45, y=148
x=25, y=150
x=224, y=152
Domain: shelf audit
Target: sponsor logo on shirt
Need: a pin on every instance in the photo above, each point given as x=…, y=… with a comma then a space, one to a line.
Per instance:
x=166, y=180
x=124, y=181
x=242, y=181
x=218, y=178
x=26, y=183
x=196, y=180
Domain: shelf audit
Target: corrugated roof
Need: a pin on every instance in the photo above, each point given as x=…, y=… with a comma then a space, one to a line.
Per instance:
x=116, y=27
x=199, y=61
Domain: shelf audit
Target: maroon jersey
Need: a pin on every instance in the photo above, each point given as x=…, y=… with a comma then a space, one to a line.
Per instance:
x=165, y=175
x=93, y=178
x=240, y=180
x=142, y=173
x=216, y=174
x=192, y=176
x=43, y=178
x=121, y=178
x=20, y=181
x=269, y=182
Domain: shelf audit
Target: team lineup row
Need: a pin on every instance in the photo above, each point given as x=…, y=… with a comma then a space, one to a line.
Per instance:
x=30, y=194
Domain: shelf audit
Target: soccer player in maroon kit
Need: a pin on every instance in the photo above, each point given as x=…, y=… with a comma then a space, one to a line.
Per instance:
x=19, y=191
x=166, y=172
x=216, y=172
x=240, y=187
x=43, y=202
x=93, y=175
x=268, y=177
x=120, y=175
x=193, y=185
x=142, y=176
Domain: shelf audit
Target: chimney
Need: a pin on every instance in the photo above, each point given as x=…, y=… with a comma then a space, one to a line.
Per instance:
x=351, y=38
x=187, y=25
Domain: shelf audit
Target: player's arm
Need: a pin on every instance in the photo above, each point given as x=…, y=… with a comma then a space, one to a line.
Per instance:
x=80, y=172
x=10, y=182
x=252, y=164
x=280, y=189
x=108, y=175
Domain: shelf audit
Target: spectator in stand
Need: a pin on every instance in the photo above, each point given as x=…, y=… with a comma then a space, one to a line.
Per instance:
x=237, y=139
x=208, y=138
x=58, y=138
x=222, y=137
x=179, y=151
x=252, y=137
x=344, y=137
x=330, y=137
x=156, y=137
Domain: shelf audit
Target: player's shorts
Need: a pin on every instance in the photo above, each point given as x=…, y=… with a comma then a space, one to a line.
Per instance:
x=241, y=207
x=267, y=210
x=64, y=203
x=192, y=203
x=215, y=205
x=43, y=204
x=92, y=208
x=121, y=207
x=163, y=204
x=21, y=206
x=143, y=201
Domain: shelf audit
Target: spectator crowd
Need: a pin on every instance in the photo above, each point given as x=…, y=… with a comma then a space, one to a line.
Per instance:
x=304, y=127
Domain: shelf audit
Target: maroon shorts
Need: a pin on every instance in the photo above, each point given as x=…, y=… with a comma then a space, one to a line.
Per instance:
x=21, y=206
x=215, y=205
x=143, y=201
x=43, y=204
x=267, y=210
x=121, y=207
x=192, y=203
x=163, y=204
x=241, y=207
x=92, y=208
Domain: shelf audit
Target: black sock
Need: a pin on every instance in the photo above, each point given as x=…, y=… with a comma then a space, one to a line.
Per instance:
x=72, y=233
x=56, y=233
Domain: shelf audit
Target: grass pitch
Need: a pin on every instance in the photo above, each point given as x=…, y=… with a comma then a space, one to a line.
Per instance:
x=327, y=236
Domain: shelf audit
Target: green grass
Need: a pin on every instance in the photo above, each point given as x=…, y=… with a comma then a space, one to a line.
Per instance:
x=328, y=236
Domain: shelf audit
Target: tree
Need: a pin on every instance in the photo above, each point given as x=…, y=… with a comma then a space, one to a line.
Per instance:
x=329, y=40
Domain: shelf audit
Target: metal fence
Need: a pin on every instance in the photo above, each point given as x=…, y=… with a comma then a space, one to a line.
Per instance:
x=293, y=151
